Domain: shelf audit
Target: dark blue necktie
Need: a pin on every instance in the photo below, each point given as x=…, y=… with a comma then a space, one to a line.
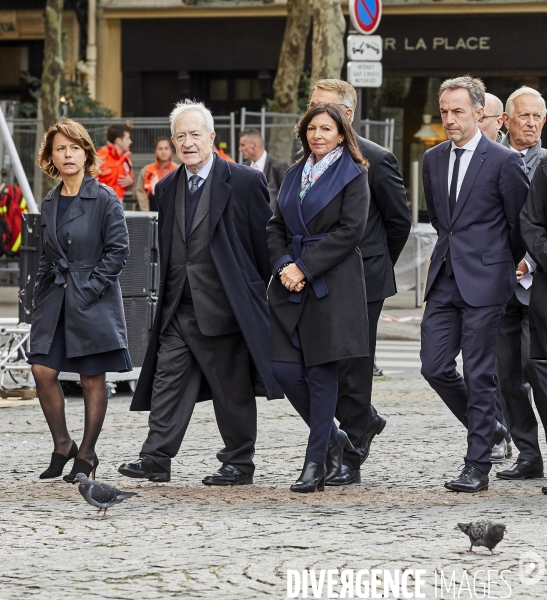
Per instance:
x=194, y=183
x=454, y=183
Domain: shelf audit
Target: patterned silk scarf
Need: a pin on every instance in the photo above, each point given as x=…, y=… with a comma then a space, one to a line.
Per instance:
x=313, y=170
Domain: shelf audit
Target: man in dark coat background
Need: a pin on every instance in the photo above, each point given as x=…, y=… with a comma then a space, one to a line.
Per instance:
x=251, y=145
x=211, y=334
x=386, y=233
x=533, y=222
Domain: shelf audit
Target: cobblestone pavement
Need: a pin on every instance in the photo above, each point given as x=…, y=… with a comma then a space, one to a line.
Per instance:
x=183, y=540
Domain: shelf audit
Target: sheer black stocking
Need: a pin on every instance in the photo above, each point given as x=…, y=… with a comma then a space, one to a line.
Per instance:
x=96, y=403
x=52, y=401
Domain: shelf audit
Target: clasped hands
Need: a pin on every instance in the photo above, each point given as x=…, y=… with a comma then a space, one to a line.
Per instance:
x=292, y=278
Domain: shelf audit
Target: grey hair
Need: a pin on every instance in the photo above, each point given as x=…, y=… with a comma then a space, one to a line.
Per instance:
x=475, y=87
x=510, y=104
x=186, y=105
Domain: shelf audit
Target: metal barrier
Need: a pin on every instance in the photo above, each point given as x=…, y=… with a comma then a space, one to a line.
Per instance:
x=27, y=136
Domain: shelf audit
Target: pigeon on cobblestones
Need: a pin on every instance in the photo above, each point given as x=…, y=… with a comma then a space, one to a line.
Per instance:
x=101, y=495
x=483, y=533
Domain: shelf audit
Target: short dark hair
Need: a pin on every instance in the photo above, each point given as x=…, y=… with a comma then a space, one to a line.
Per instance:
x=344, y=128
x=251, y=132
x=162, y=138
x=117, y=131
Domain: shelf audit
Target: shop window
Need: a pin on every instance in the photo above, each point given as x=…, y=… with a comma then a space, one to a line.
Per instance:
x=11, y=61
x=247, y=89
x=218, y=89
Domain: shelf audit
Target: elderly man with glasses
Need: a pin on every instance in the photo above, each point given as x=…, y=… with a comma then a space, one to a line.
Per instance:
x=492, y=120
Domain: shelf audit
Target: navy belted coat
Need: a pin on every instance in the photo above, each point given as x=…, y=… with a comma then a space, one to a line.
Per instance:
x=322, y=236
x=80, y=264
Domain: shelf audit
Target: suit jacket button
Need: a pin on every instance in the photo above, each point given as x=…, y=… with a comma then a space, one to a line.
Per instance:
x=442, y=257
x=45, y=243
x=52, y=264
x=451, y=233
x=70, y=240
x=65, y=285
x=188, y=264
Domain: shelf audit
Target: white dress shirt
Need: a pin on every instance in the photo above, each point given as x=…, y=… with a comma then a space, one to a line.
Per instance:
x=203, y=173
x=260, y=164
x=465, y=159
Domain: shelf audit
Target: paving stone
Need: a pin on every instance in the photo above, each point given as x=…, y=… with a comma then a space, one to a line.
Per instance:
x=185, y=540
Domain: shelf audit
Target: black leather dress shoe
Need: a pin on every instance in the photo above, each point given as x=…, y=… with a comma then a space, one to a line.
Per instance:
x=335, y=454
x=470, y=480
x=145, y=468
x=374, y=428
x=544, y=490
x=500, y=433
x=522, y=469
x=346, y=477
x=228, y=475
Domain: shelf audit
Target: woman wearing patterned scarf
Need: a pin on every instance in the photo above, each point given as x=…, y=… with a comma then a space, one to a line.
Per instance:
x=317, y=295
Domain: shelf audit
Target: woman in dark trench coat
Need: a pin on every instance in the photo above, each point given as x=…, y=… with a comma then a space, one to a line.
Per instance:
x=317, y=294
x=78, y=323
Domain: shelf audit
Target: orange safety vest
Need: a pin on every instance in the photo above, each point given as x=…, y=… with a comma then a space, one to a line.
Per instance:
x=223, y=155
x=113, y=167
x=156, y=169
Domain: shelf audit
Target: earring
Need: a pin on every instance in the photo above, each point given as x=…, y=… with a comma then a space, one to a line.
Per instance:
x=340, y=141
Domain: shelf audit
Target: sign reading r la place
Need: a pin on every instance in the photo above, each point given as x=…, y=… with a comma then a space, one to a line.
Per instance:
x=365, y=15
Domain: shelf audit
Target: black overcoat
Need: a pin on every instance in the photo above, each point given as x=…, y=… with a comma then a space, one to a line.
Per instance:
x=333, y=326
x=81, y=262
x=239, y=212
x=533, y=224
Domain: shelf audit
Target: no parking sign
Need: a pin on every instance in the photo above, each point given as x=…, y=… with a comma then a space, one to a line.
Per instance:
x=365, y=14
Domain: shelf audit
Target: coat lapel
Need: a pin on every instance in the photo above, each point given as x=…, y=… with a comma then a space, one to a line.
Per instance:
x=167, y=198
x=76, y=209
x=204, y=203
x=220, y=192
x=288, y=201
x=444, y=160
x=180, y=202
x=328, y=186
x=477, y=160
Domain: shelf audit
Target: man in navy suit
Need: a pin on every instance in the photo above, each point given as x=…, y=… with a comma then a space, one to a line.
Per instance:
x=474, y=190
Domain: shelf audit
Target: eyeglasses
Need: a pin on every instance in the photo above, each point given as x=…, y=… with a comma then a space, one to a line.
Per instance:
x=489, y=117
x=311, y=105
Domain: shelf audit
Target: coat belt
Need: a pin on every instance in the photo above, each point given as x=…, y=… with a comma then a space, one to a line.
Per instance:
x=63, y=266
x=300, y=245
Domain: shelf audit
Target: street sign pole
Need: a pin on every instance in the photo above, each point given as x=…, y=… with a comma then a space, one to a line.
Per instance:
x=364, y=51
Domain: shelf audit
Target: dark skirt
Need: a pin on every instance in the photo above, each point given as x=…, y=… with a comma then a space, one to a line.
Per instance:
x=113, y=361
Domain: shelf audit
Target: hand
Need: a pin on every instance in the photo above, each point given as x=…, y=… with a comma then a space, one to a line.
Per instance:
x=292, y=278
x=522, y=269
x=125, y=181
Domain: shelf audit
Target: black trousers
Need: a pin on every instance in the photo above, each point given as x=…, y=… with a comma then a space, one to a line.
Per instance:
x=515, y=368
x=184, y=358
x=313, y=393
x=450, y=325
x=354, y=410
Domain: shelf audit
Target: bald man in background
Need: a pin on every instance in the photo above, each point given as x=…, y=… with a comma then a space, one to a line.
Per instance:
x=490, y=124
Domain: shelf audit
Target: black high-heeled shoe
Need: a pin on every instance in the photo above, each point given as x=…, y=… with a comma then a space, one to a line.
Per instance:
x=58, y=462
x=335, y=454
x=312, y=478
x=82, y=466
